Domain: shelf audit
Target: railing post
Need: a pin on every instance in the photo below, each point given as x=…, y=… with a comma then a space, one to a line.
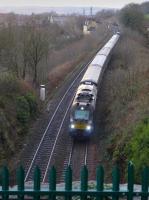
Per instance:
x=145, y=182
x=52, y=182
x=130, y=181
x=68, y=182
x=99, y=181
x=20, y=181
x=37, y=175
x=84, y=181
x=115, y=182
x=5, y=182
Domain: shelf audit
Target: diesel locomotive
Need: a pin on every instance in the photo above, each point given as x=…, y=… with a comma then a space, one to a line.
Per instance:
x=81, y=125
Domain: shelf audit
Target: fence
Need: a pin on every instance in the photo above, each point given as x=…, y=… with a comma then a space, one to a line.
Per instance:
x=52, y=193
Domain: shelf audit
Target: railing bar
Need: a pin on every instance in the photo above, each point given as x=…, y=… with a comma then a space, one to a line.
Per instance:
x=20, y=181
x=84, y=181
x=130, y=181
x=68, y=182
x=145, y=182
x=99, y=180
x=5, y=183
x=116, y=182
x=37, y=175
x=52, y=182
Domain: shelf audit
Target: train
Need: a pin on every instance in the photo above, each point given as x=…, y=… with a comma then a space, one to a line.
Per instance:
x=81, y=124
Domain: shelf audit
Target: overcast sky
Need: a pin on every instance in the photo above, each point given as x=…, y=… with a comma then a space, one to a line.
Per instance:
x=59, y=3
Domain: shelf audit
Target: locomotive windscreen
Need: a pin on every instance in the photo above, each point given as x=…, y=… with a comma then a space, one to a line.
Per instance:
x=81, y=115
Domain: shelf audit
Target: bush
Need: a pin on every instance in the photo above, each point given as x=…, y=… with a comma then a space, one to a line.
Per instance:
x=32, y=101
x=137, y=149
x=8, y=84
x=2, y=102
x=132, y=16
x=23, y=110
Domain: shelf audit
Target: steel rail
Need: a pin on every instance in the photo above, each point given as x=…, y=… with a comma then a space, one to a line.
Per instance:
x=86, y=152
x=70, y=155
x=54, y=145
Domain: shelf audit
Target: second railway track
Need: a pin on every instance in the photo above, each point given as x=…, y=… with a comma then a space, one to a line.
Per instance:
x=78, y=158
x=81, y=154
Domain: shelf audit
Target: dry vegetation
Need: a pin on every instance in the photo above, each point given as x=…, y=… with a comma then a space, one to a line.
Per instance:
x=18, y=106
x=18, y=99
x=128, y=78
x=125, y=97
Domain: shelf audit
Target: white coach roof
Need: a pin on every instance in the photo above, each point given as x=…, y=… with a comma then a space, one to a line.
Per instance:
x=94, y=70
x=92, y=74
x=104, y=51
x=111, y=43
x=99, y=60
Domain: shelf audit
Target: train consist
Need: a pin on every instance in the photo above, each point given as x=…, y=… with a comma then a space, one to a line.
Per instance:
x=81, y=124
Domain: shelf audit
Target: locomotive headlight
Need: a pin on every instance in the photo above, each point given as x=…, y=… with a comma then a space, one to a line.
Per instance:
x=72, y=126
x=88, y=127
x=71, y=119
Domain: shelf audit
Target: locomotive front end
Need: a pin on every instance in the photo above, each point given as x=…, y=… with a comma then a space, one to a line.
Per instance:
x=81, y=122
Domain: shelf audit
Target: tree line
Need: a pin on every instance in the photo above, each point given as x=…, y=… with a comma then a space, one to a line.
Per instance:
x=23, y=48
x=132, y=16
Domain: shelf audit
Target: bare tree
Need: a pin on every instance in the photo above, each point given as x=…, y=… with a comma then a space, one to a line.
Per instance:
x=37, y=49
x=24, y=45
x=9, y=49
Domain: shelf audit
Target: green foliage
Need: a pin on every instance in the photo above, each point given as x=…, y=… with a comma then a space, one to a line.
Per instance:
x=18, y=105
x=23, y=110
x=147, y=16
x=137, y=149
x=132, y=16
x=26, y=107
x=133, y=145
x=116, y=148
x=32, y=101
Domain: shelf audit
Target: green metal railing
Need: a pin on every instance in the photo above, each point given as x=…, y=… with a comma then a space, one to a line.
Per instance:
x=100, y=192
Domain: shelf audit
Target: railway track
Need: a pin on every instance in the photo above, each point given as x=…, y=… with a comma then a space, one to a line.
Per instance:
x=45, y=150
x=55, y=146
x=78, y=158
x=81, y=154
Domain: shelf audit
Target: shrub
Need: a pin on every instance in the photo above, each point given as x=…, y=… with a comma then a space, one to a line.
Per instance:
x=138, y=148
x=2, y=102
x=32, y=101
x=23, y=110
x=8, y=84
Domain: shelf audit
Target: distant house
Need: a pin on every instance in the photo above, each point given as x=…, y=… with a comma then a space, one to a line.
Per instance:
x=89, y=26
x=60, y=20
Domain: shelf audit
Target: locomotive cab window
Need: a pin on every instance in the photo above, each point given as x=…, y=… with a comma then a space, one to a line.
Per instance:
x=81, y=115
x=84, y=97
x=86, y=90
